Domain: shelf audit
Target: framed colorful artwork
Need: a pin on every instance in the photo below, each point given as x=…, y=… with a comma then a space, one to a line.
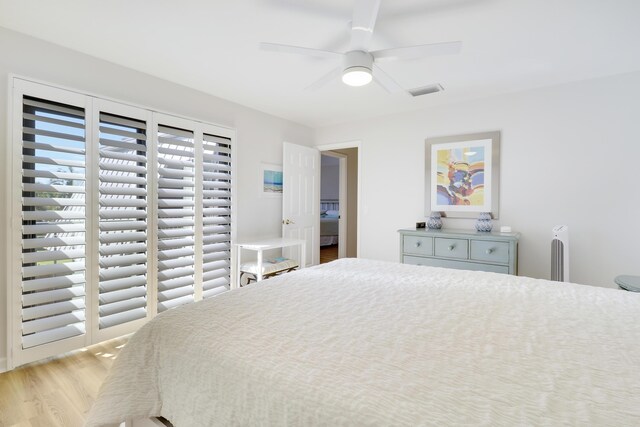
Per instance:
x=462, y=174
x=271, y=176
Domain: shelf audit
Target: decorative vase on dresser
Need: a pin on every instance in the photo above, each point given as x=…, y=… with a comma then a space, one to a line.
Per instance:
x=435, y=221
x=461, y=249
x=484, y=222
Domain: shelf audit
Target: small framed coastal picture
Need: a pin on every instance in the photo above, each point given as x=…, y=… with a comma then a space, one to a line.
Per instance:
x=271, y=176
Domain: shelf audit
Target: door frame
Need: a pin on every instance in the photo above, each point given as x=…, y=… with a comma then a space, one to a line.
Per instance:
x=343, y=212
x=339, y=146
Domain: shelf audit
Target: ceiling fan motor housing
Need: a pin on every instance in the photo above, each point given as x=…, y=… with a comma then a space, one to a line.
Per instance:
x=358, y=59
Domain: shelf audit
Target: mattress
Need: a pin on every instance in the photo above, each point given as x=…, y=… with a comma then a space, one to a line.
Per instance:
x=328, y=226
x=359, y=342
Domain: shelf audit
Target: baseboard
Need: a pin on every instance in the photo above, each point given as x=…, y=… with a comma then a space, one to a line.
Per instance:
x=3, y=364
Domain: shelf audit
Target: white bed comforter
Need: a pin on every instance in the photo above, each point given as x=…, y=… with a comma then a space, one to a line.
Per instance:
x=359, y=342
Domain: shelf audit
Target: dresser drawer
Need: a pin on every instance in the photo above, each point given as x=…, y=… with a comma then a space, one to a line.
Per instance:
x=449, y=263
x=452, y=248
x=485, y=250
x=418, y=245
x=416, y=260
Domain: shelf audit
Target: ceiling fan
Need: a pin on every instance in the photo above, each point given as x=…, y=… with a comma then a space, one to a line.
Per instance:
x=359, y=65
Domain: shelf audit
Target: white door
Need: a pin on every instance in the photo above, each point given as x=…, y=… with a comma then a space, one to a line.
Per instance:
x=301, y=198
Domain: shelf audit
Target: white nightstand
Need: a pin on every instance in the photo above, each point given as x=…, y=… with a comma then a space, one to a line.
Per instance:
x=260, y=246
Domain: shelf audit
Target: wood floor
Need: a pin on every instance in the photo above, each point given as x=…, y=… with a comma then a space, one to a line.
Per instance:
x=328, y=253
x=56, y=392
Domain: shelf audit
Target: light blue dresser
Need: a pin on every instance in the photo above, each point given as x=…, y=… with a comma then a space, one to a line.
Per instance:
x=462, y=249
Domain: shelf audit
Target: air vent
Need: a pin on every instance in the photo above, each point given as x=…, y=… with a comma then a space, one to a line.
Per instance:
x=425, y=90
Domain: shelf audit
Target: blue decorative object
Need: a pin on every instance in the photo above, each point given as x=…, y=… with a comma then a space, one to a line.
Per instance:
x=484, y=222
x=628, y=283
x=435, y=221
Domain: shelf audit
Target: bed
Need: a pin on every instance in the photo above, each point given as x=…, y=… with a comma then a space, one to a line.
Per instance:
x=360, y=342
x=329, y=220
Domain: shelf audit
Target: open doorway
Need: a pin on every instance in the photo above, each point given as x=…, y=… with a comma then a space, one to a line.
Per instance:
x=338, y=204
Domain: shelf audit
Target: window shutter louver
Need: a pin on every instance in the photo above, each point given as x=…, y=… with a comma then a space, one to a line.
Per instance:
x=122, y=220
x=53, y=222
x=176, y=217
x=216, y=215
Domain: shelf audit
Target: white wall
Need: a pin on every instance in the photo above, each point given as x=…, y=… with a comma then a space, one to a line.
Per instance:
x=259, y=135
x=329, y=179
x=569, y=155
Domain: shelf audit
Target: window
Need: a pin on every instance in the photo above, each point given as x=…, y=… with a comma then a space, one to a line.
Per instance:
x=122, y=218
x=53, y=222
x=123, y=213
x=216, y=212
x=176, y=217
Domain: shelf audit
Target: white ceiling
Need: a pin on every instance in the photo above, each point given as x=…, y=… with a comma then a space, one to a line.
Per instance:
x=212, y=45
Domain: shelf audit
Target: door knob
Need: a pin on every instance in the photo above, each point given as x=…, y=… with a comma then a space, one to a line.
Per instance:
x=287, y=221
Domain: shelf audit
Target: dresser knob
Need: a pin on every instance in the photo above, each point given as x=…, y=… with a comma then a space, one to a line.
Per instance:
x=452, y=247
x=489, y=251
x=418, y=244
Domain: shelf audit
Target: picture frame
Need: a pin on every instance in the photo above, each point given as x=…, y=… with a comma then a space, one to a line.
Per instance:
x=270, y=180
x=462, y=175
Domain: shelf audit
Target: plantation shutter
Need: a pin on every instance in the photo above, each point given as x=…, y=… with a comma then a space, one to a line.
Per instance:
x=176, y=217
x=123, y=215
x=117, y=213
x=216, y=213
x=53, y=223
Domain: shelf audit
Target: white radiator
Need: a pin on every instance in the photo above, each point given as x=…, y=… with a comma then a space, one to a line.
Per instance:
x=560, y=254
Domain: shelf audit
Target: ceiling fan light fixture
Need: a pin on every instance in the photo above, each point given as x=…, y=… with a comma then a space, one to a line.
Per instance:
x=357, y=76
x=359, y=63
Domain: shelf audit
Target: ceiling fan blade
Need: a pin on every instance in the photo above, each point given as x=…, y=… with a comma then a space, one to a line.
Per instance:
x=415, y=52
x=385, y=81
x=322, y=81
x=284, y=48
x=365, y=13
